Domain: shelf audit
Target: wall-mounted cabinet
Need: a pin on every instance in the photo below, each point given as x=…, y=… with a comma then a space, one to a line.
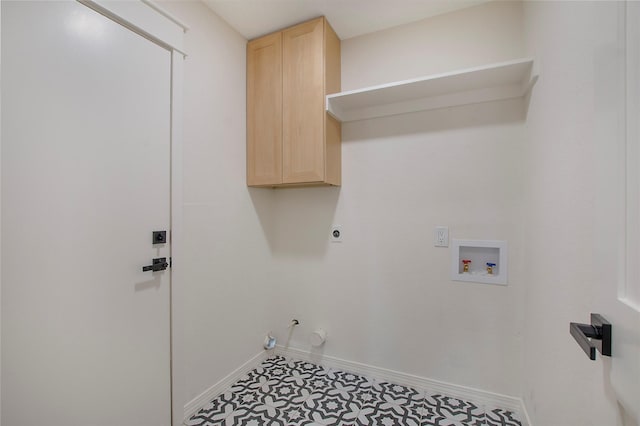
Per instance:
x=291, y=140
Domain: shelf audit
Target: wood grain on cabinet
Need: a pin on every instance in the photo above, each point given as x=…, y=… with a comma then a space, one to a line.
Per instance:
x=309, y=138
x=303, y=90
x=264, y=110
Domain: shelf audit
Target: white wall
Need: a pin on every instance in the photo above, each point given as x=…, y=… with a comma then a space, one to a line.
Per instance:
x=484, y=34
x=384, y=294
x=575, y=45
x=221, y=304
x=0, y=221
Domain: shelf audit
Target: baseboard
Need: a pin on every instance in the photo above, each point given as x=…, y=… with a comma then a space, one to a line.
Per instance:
x=208, y=395
x=463, y=392
x=526, y=420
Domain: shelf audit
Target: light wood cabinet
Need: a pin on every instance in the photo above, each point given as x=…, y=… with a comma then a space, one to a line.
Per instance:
x=291, y=140
x=264, y=110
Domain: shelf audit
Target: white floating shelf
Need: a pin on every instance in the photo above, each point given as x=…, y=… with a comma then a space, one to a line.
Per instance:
x=494, y=82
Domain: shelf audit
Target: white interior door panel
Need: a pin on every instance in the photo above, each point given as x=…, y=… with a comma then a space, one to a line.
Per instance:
x=85, y=181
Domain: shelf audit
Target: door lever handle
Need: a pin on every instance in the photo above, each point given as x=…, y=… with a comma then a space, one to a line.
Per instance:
x=590, y=337
x=159, y=264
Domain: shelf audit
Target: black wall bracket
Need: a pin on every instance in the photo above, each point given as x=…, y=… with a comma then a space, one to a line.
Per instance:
x=590, y=337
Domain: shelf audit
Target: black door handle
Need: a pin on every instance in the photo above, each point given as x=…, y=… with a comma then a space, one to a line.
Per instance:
x=590, y=337
x=159, y=264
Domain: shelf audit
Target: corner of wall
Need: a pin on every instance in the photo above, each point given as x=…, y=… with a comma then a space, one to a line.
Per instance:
x=560, y=387
x=223, y=304
x=0, y=227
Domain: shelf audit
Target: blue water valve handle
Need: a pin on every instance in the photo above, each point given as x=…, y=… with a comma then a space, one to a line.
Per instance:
x=491, y=265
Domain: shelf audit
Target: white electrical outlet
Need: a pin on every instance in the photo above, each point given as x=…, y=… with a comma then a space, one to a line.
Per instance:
x=336, y=234
x=441, y=236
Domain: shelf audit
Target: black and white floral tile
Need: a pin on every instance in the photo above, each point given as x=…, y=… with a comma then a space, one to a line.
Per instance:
x=283, y=392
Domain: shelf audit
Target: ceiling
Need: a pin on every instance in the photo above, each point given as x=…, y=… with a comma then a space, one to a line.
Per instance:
x=349, y=18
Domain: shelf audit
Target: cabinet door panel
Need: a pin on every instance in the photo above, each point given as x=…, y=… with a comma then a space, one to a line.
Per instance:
x=303, y=107
x=264, y=110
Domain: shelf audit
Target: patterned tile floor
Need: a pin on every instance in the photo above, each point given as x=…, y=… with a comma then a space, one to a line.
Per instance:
x=283, y=392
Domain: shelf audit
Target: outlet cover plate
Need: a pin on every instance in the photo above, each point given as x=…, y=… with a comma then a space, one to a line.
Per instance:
x=441, y=236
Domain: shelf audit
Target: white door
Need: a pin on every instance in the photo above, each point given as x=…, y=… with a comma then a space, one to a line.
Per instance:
x=85, y=181
x=617, y=246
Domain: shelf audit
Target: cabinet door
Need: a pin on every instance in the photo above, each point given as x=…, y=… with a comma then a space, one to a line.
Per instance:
x=303, y=103
x=264, y=110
